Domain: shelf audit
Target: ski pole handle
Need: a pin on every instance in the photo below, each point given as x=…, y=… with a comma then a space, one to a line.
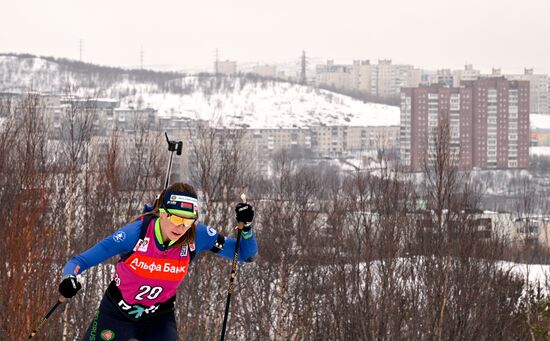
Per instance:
x=173, y=146
x=241, y=224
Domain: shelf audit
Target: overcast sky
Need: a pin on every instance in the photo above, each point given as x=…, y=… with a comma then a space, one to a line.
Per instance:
x=510, y=34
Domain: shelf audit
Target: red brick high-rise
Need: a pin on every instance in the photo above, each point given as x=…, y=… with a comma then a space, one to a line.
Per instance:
x=488, y=122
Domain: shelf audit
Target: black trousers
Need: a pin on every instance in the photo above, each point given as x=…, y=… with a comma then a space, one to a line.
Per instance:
x=110, y=324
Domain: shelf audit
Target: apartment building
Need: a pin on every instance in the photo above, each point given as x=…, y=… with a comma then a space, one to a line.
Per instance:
x=448, y=77
x=390, y=78
x=372, y=138
x=266, y=141
x=539, y=90
x=330, y=141
x=334, y=75
x=487, y=119
x=467, y=74
x=130, y=119
x=539, y=84
x=361, y=73
x=225, y=68
x=265, y=70
x=383, y=79
x=444, y=77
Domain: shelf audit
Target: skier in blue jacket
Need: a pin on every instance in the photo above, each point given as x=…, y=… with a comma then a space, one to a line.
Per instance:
x=155, y=251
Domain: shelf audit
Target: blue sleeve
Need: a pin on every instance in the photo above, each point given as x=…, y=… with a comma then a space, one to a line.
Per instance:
x=209, y=239
x=122, y=241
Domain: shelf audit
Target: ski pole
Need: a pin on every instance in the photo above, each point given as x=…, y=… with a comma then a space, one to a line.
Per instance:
x=233, y=273
x=173, y=146
x=60, y=300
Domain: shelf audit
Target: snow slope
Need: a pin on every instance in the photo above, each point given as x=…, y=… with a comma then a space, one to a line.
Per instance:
x=227, y=102
x=268, y=104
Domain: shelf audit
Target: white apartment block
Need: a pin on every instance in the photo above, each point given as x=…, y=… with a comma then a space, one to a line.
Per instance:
x=362, y=79
x=414, y=77
x=333, y=75
x=332, y=141
x=265, y=70
x=383, y=79
x=329, y=141
x=468, y=74
x=266, y=141
x=539, y=91
x=372, y=138
x=390, y=78
x=226, y=68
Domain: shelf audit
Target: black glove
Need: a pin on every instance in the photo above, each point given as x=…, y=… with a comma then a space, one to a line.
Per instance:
x=69, y=286
x=244, y=214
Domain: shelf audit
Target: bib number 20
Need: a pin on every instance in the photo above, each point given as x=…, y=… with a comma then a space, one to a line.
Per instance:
x=151, y=292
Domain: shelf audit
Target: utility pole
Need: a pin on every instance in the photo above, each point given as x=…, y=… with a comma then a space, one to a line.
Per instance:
x=303, y=67
x=141, y=58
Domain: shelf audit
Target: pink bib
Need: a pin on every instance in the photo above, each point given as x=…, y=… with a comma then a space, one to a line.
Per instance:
x=150, y=276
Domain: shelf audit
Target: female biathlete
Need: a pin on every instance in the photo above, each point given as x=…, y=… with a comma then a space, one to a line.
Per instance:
x=155, y=251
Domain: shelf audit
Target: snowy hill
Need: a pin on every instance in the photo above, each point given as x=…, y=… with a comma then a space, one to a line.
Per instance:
x=266, y=104
x=228, y=102
x=48, y=74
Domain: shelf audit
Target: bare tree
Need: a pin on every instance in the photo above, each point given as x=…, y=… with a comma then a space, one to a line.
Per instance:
x=29, y=240
x=219, y=168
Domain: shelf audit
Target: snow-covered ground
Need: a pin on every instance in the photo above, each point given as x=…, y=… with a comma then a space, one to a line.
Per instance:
x=277, y=105
x=534, y=274
x=538, y=121
x=539, y=150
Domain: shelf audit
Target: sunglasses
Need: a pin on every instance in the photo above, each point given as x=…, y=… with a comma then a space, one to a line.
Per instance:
x=177, y=220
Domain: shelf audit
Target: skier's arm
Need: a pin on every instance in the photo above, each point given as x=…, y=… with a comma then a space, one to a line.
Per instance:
x=209, y=239
x=122, y=241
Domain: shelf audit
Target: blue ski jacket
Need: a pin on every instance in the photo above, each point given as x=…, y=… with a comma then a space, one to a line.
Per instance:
x=123, y=241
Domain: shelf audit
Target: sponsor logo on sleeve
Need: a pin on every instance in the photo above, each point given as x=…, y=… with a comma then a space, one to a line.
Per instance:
x=211, y=232
x=119, y=236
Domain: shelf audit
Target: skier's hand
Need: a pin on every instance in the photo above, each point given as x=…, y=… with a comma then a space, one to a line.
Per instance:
x=244, y=214
x=69, y=286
